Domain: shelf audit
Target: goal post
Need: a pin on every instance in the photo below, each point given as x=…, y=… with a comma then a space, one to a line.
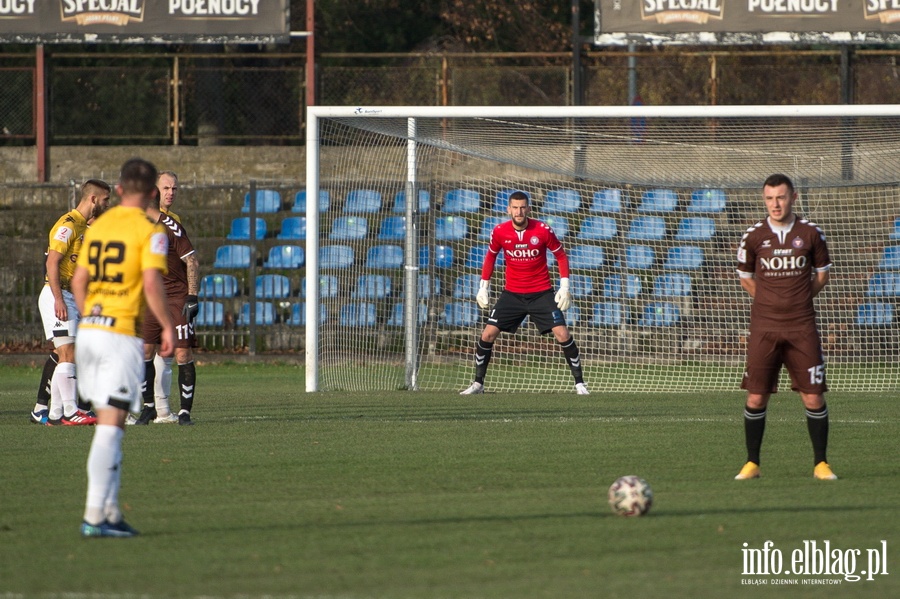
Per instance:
x=649, y=202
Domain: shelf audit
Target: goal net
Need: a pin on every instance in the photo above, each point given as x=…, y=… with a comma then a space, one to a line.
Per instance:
x=650, y=204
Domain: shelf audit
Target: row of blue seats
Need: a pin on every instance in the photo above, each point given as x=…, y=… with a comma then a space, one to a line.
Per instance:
x=459, y=200
x=454, y=314
x=454, y=228
x=371, y=286
x=588, y=257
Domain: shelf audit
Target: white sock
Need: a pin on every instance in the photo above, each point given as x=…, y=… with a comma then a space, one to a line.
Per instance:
x=163, y=384
x=103, y=470
x=63, y=391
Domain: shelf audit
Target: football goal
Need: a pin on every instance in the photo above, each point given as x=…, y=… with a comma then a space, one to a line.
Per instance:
x=650, y=204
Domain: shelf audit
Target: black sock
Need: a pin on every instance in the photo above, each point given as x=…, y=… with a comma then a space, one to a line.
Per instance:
x=573, y=357
x=147, y=386
x=483, y=352
x=43, y=394
x=187, y=377
x=754, y=427
x=817, y=424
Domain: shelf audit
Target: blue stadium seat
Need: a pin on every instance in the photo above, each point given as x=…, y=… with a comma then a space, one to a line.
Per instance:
x=328, y=286
x=285, y=256
x=443, y=256
x=393, y=228
x=460, y=314
x=232, y=256
x=607, y=200
x=475, y=257
x=895, y=232
x=273, y=286
x=646, y=228
x=501, y=199
x=267, y=201
x=336, y=256
x=461, y=200
x=610, y=314
x=622, y=285
x=597, y=228
x=400, y=201
x=349, y=227
x=639, y=256
x=372, y=287
x=466, y=286
x=293, y=227
x=695, y=228
x=215, y=286
x=884, y=284
x=658, y=200
x=586, y=257
x=361, y=314
x=707, y=200
x=573, y=315
x=559, y=224
x=427, y=286
x=384, y=256
x=561, y=200
x=675, y=284
x=487, y=226
x=300, y=201
x=298, y=315
x=211, y=314
x=240, y=228
x=875, y=314
x=581, y=285
x=450, y=228
x=684, y=257
x=265, y=314
x=660, y=314
x=396, y=317
x=361, y=201
x=890, y=258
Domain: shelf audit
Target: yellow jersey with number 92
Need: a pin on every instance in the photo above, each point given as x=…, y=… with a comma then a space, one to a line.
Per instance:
x=120, y=245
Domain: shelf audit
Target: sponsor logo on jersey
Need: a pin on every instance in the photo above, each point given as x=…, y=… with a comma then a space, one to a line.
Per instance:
x=784, y=263
x=63, y=234
x=159, y=244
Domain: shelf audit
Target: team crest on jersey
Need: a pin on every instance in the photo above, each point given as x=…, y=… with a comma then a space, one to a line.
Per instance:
x=534, y=240
x=159, y=244
x=797, y=242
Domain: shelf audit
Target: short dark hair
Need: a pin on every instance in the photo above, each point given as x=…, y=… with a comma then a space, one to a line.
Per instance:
x=138, y=176
x=92, y=185
x=518, y=195
x=777, y=180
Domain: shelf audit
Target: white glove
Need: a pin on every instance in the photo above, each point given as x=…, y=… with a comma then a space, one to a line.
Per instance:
x=483, y=297
x=563, y=297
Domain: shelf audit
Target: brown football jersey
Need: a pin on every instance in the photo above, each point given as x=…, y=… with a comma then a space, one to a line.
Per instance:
x=180, y=247
x=783, y=262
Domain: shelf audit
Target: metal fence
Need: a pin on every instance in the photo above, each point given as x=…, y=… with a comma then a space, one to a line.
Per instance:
x=259, y=99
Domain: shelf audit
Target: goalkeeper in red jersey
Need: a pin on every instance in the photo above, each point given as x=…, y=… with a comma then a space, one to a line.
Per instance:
x=528, y=290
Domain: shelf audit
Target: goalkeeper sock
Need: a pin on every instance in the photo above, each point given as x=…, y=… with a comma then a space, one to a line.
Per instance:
x=817, y=424
x=573, y=357
x=754, y=427
x=483, y=352
x=43, y=394
x=147, y=385
x=187, y=377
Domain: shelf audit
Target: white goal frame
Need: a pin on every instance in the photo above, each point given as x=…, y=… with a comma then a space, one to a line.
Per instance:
x=316, y=113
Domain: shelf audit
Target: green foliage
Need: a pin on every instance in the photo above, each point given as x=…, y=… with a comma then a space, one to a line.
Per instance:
x=410, y=495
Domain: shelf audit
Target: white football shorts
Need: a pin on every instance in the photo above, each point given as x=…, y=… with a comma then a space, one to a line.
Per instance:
x=56, y=328
x=110, y=366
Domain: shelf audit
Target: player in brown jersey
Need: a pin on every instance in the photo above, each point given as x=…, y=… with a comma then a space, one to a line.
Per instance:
x=181, y=285
x=783, y=263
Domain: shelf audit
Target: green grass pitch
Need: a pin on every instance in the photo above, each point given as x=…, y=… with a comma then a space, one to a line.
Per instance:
x=276, y=493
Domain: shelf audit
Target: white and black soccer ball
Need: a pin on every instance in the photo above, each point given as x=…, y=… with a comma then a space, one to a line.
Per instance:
x=630, y=496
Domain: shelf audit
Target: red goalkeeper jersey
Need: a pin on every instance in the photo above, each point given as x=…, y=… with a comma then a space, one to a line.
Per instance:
x=525, y=255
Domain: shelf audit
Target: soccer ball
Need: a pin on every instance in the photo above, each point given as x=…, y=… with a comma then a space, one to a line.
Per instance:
x=630, y=496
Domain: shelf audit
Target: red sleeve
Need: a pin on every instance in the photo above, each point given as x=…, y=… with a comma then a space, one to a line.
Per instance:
x=562, y=259
x=487, y=268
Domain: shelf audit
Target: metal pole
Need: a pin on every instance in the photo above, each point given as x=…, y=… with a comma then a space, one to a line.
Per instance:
x=311, y=343
x=632, y=74
x=311, y=59
x=411, y=272
x=846, y=122
x=40, y=117
x=252, y=276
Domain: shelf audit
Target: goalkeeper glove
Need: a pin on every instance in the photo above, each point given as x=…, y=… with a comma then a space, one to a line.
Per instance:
x=563, y=297
x=191, y=308
x=483, y=297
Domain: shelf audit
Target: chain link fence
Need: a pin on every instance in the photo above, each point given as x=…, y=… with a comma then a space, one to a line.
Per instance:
x=259, y=99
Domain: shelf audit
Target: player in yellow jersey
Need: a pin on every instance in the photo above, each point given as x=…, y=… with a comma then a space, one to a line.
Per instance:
x=118, y=271
x=58, y=311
